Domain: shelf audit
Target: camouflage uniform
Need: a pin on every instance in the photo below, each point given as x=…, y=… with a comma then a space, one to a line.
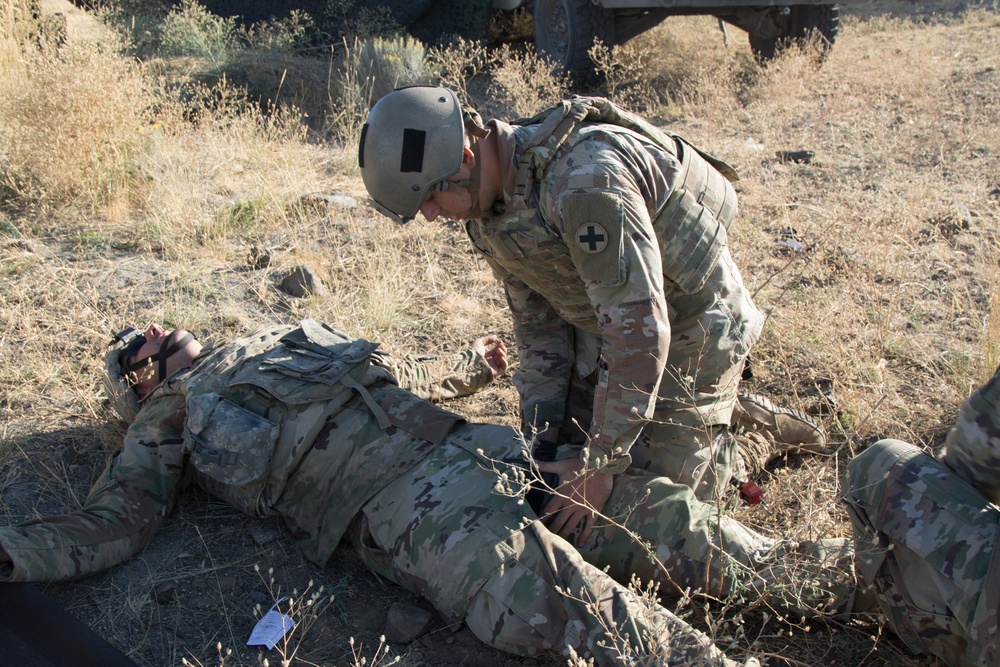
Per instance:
x=307, y=424
x=630, y=316
x=691, y=547
x=926, y=534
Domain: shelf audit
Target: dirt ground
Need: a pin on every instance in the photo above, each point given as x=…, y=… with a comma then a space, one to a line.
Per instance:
x=876, y=263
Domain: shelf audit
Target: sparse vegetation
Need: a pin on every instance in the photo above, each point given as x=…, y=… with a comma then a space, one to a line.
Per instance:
x=137, y=187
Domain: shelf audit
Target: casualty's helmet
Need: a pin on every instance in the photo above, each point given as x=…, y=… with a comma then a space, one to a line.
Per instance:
x=116, y=384
x=412, y=140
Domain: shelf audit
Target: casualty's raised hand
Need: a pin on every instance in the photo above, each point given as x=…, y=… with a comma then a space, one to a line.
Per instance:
x=494, y=351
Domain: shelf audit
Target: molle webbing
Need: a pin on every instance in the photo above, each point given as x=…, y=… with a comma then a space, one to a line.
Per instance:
x=558, y=122
x=707, y=183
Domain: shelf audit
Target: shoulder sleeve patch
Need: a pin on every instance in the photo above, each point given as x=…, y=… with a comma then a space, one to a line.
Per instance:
x=594, y=222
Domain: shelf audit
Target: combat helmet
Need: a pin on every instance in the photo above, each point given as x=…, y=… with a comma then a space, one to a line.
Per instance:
x=412, y=140
x=116, y=385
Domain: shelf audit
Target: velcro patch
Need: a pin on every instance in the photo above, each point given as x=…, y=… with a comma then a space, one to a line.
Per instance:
x=594, y=222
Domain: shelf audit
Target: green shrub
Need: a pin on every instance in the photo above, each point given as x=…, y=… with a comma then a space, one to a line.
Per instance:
x=284, y=35
x=387, y=63
x=191, y=30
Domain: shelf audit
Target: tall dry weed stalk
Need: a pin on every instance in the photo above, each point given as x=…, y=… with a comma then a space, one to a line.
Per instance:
x=73, y=128
x=522, y=83
x=459, y=63
x=349, y=94
x=15, y=27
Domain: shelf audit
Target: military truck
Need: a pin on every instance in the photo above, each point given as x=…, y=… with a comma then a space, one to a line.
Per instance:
x=565, y=30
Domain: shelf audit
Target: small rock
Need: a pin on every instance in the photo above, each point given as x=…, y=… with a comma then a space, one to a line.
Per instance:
x=165, y=591
x=301, y=282
x=405, y=623
x=263, y=533
x=798, y=157
x=337, y=199
x=258, y=258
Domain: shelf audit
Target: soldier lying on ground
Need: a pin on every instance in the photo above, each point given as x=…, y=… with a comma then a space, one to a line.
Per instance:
x=632, y=321
x=926, y=533
x=310, y=425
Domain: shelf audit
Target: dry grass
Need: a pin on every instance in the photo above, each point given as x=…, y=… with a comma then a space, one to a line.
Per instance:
x=128, y=198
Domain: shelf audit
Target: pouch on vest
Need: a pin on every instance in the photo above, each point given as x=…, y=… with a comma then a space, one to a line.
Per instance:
x=228, y=443
x=232, y=438
x=692, y=241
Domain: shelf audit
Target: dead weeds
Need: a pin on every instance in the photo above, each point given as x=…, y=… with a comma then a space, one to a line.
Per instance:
x=875, y=259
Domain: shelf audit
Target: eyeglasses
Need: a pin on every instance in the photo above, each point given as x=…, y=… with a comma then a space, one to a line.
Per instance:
x=440, y=186
x=134, y=346
x=132, y=338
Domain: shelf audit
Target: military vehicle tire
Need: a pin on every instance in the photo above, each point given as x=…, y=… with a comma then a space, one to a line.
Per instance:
x=565, y=30
x=798, y=26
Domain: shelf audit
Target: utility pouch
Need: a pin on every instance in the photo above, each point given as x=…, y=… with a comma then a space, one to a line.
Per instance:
x=230, y=444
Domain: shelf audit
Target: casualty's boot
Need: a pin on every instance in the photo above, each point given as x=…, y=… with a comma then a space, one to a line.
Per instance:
x=764, y=432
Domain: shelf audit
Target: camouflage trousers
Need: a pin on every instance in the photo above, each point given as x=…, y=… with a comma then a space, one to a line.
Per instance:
x=926, y=542
x=687, y=439
x=660, y=532
x=447, y=531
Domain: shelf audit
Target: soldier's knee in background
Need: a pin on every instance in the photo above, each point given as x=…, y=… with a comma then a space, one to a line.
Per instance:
x=866, y=474
x=924, y=539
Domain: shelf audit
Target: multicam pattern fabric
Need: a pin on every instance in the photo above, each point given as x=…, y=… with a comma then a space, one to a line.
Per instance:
x=185, y=431
x=421, y=490
x=688, y=546
x=533, y=591
x=973, y=446
x=663, y=298
x=926, y=535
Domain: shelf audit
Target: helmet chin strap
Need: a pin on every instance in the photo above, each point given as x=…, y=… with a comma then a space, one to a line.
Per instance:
x=477, y=131
x=170, y=347
x=470, y=184
x=474, y=126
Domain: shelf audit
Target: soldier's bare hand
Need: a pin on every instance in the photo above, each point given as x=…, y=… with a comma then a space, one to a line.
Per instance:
x=494, y=351
x=581, y=496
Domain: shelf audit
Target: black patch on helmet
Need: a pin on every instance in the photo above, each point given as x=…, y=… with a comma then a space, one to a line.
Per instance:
x=361, y=147
x=412, y=159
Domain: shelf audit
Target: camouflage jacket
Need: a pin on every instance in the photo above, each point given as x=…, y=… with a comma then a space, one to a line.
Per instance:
x=973, y=446
x=618, y=238
x=241, y=423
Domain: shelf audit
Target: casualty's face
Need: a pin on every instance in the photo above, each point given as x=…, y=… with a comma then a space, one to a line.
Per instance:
x=144, y=353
